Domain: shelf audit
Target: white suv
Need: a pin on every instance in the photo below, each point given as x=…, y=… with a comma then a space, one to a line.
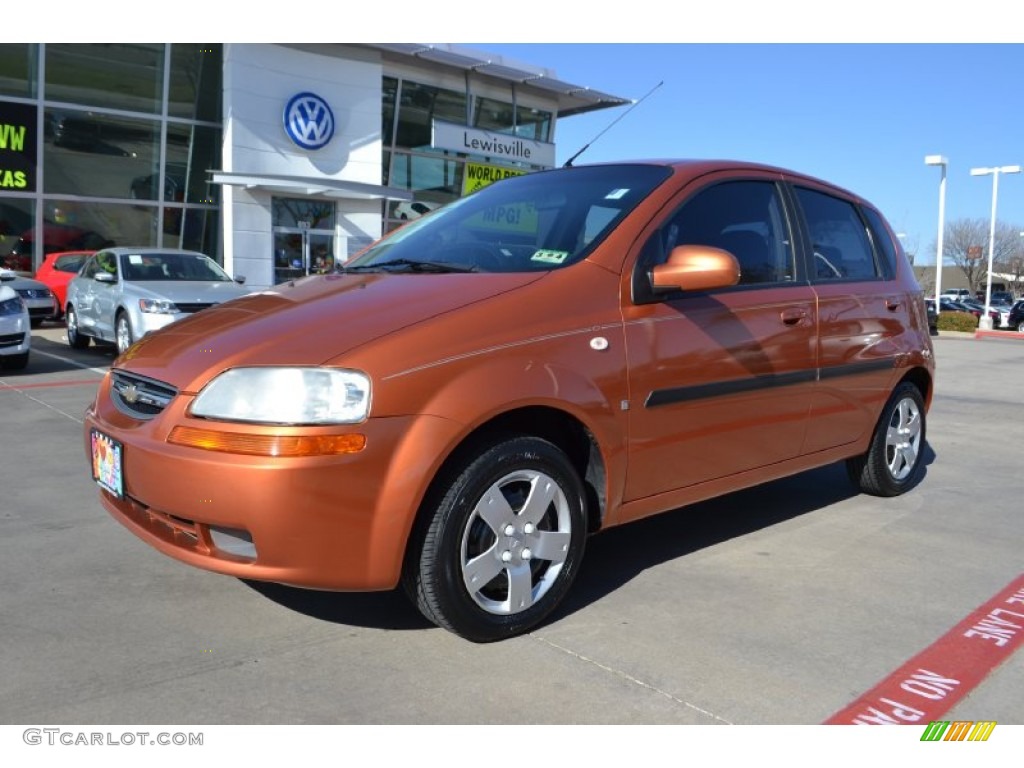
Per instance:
x=956, y=294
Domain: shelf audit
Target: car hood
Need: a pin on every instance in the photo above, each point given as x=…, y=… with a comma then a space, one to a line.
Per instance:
x=308, y=322
x=21, y=283
x=186, y=291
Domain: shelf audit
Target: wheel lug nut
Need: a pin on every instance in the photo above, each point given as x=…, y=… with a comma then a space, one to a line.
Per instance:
x=510, y=529
x=528, y=528
x=526, y=554
x=506, y=556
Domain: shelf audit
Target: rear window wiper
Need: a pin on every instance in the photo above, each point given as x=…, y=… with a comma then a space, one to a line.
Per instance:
x=411, y=265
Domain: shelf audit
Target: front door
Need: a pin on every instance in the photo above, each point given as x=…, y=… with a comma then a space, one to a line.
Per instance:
x=721, y=381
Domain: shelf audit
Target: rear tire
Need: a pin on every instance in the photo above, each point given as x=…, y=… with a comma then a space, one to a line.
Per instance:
x=503, y=542
x=75, y=338
x=893, y=462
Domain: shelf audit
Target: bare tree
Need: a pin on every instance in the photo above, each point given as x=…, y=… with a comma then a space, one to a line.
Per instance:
x=965, y=243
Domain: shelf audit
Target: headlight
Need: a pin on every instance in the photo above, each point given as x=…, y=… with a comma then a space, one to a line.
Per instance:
x=286, y=396
x=12, y=306
x=157, y=306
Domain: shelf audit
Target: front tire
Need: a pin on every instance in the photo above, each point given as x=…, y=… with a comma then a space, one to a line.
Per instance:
x=15, y=362
x=503, y=544
x=893, y=461
x=123, y=333
x=75, y=338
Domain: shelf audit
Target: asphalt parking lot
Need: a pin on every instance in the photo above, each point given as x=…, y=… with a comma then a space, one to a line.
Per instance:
x=776, y=605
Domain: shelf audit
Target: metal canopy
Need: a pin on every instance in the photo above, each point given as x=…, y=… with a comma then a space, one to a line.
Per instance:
x=572, y=99
x=308, y=185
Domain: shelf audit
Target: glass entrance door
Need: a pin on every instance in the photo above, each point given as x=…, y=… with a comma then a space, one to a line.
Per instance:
x=299, y=252
x=303, y=238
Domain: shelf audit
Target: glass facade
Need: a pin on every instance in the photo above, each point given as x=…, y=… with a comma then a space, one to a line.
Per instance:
x=112, y=144
x=129, y=132
x=438, y=176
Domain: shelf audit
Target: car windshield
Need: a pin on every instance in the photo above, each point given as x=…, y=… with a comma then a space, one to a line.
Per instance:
x=535, y=222
x=191, y=267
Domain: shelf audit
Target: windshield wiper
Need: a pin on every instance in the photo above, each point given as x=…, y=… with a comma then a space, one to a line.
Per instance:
x=411, y=265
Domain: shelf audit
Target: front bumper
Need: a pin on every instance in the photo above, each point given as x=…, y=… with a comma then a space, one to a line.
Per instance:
x=329, y=522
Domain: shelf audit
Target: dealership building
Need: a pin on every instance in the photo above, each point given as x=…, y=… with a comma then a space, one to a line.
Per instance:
x=277, y=160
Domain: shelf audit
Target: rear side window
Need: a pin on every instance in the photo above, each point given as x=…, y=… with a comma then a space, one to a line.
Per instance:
x=69, y=263
x=841, y=249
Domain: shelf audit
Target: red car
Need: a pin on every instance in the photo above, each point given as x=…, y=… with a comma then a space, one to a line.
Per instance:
x=57, y=270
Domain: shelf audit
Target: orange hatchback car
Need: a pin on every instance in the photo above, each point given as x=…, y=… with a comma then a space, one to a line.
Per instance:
x=459, y=407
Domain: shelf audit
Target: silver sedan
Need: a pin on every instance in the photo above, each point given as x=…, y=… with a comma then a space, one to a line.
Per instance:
x=121, y=294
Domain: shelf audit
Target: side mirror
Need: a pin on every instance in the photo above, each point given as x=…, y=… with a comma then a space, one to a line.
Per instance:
x=105, y=277
x=240, y=279
x=695, y=268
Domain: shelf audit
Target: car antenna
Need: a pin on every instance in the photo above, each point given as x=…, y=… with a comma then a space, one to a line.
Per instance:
x=568, y=163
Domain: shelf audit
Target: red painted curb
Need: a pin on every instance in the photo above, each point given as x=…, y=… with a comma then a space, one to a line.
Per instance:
x=932, y=682
x=999, y=335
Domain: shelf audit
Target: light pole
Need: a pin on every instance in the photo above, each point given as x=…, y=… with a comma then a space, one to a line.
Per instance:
x=985, y=323
x=941, y=161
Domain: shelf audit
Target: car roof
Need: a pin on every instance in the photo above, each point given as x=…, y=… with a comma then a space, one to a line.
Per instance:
x=695, y=168
x=126, y=250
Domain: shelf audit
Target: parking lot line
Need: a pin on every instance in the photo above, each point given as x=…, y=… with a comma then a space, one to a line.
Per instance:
x=929, y=684
x=48, y=384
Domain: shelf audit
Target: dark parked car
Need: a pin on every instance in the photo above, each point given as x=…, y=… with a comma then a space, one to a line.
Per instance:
x=933, y=316
x=1016, y=318
x=977, y=308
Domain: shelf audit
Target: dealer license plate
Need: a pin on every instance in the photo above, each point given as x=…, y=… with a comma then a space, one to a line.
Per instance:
x=107, y=462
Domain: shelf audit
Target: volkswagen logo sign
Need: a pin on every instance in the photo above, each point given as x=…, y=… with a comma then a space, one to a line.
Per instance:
x=308, y=121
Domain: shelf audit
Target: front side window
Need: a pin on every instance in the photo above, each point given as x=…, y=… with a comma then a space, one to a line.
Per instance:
x=840, y=246
x=743, y=217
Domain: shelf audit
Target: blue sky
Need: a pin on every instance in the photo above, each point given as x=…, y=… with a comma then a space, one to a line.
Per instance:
x=861, y=115
x=856, y=95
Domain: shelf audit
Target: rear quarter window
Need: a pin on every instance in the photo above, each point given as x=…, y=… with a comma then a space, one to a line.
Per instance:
x=884, y=244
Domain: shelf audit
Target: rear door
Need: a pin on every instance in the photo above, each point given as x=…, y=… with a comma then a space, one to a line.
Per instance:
x=861, y=312
x=720, y=381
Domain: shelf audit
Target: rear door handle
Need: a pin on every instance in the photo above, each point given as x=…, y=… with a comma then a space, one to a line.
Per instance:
x=892, y=304
x=793, y=315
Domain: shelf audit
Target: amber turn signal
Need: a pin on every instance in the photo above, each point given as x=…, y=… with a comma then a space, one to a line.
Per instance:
x=267, y=445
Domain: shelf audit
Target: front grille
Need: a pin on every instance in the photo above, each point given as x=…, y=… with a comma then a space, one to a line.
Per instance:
x=138, y=396
x=34, y=293
x=11, y=339
x=191, y=308
x=34, y=312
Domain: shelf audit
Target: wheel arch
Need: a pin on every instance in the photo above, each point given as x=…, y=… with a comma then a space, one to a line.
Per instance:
x=558, y=427
x=921, y=379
